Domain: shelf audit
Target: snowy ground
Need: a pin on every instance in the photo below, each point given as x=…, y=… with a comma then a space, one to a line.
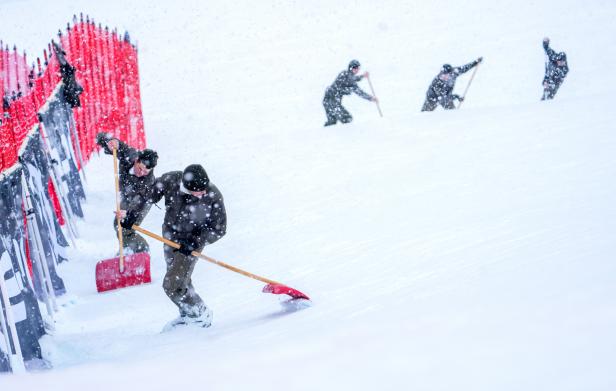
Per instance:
x=468, y=250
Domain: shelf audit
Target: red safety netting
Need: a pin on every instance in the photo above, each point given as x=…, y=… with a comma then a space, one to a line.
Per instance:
x=107, y=69
x=15, y=76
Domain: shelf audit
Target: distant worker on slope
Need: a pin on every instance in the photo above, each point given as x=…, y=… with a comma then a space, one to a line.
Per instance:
x=345, y=83
x=195, y=216
x=441, y=88
x=556, y=70
x=136, y=169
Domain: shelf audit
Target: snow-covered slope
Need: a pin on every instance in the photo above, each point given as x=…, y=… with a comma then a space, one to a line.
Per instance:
x=466, y=250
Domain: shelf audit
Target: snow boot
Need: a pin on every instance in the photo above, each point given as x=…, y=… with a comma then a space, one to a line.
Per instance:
x=204, y=320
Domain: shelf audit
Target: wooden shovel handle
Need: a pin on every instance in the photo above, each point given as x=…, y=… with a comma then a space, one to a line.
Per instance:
x=469, y=84
x=205, y=257
x=117, y=197
x=373, y=94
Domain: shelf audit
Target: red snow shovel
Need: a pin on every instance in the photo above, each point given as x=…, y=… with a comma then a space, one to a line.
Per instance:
x=271, y=287
x=124, y=270
x=136, y=271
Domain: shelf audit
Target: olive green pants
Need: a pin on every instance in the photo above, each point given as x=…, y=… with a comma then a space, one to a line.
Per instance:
x=178, y=283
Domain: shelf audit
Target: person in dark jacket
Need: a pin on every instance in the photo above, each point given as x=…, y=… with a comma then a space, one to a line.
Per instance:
x=195, y=217
x=71, y=89
x=556, y=70
x=345, y=84
x=441, y=88
x=136, y=171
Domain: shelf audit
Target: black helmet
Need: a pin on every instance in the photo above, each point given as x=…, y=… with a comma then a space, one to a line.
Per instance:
x=195, y=178
x=148, y=157
x=561, y=56
x=354, y=64
x=447, y=68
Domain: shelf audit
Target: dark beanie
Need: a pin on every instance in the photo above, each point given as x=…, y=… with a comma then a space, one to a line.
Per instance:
x=195, y=178
x=148, y=157
x=354, y=64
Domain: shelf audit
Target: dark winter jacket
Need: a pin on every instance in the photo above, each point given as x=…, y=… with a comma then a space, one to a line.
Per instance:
x=71, y=89
x=199, y=221
x=134, y=191
x=554, y=73
x=345, y=84
x=440, y=88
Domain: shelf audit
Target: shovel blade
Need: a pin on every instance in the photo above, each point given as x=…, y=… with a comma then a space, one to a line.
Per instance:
x=279, y=289
x=136, y=271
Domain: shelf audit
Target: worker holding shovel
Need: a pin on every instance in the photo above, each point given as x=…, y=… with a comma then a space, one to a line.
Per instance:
x=195, y=216
x=136, y=170
x=345, y=84
x=556, y=70
x=440, y=91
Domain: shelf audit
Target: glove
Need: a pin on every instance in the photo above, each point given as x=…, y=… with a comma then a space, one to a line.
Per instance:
x=187, y=246
x=128, y=221
x=479, y=60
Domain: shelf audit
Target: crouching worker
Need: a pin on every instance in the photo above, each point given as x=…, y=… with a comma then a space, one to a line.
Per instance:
x=440, y=91
x=136, y=169
x=345, y=84
x=195, y=217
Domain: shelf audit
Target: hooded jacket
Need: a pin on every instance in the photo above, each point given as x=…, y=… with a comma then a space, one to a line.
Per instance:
x=555, y=73
x=200, y=221
x=345, y=84
x=134, y=191
x=442, y=88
